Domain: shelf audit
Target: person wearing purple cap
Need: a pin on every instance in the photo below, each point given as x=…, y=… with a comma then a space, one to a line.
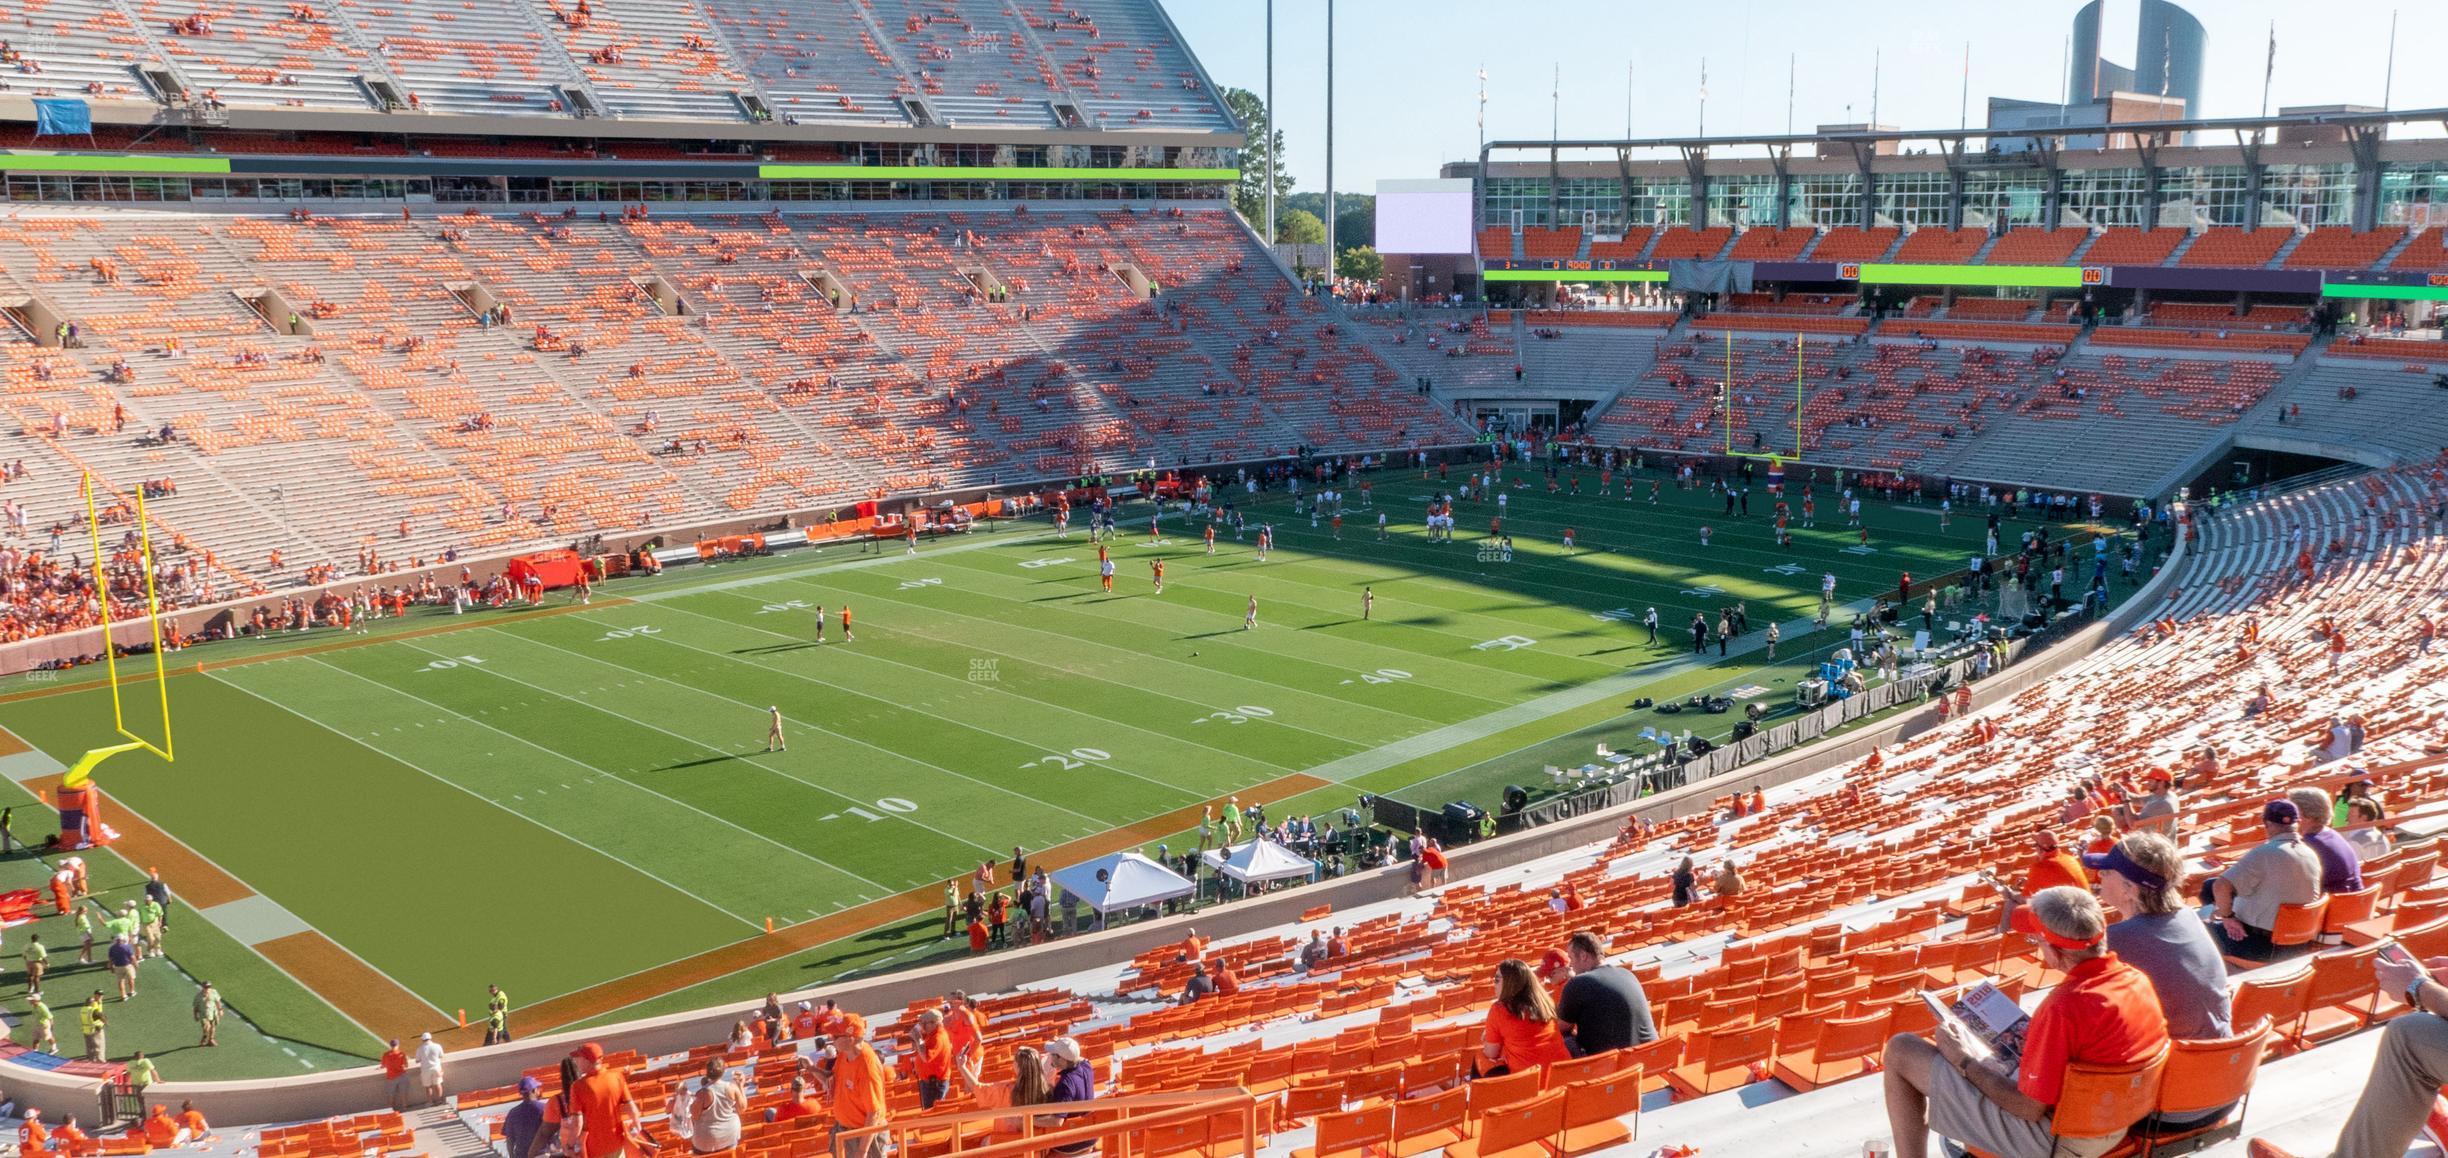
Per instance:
x=2245, y=900
x=524, y=1121
x=2139, y=876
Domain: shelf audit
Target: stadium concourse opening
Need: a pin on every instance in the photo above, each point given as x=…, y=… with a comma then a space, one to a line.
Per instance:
x=704, y=529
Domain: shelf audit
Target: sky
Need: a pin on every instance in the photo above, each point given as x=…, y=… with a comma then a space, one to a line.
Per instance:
x=1406, y=88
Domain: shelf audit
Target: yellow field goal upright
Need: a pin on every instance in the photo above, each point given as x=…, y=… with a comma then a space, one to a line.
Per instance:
x=82, y=771
x=1725, y=406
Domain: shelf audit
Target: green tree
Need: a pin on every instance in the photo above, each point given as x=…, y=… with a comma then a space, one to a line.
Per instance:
x=1299, y=227
x=1355, y=215
x=1360, y=263
x=1249, y=193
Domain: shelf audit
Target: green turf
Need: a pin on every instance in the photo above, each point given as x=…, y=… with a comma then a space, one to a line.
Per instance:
x=549, y=802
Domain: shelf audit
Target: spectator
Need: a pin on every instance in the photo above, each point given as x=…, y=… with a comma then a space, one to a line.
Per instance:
x=2103, y=1013
x=1070, y=1080
x=802, y=1103
x=2280, y=871
x=2163, y=939
x=525, y=1121
x=1521, y=1024
x=2155, y=809
x=1602, y=1008
x=857, y=1087
x=1729, y=882
x=395, y=1074
x=1028, y=1087
x=1686, y=884
x=2050, y=867
x=2407, y=1074
x=428, y=1061
x=2363, y=816
x=1200, y=984
x=933, y=1058
x=714, y=1110
x=596, y=1115
x=1313, y=953
x=2341, y=867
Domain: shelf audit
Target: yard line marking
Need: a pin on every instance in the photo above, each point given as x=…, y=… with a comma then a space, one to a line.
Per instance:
x=1033, y=746
x=1337, y=703
x=469, y=791
x=693, y=742
x=1462, y=670
x=569, y=759
x=1106, y=720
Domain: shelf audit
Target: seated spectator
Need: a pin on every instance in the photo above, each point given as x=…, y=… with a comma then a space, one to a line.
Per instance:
x=2154, y=810
x=1602, y=1007
x=2407, y=1074
x=2363, y=819
x=1686, y=884
x=1200, y=984
x=1729, y=882
x=2051, y=867
x=802, y=1103
x=2160, y=936
x=2103, y=1013
x=2341, y=866
x=1521, y=1024
x=2244, y=900
x=1070, y=1080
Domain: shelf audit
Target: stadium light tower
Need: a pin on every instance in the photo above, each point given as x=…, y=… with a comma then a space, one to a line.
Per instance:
x=1330, y=197
x=1267, y=142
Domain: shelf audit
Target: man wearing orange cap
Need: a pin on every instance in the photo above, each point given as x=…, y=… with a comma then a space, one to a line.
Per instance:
x=159, y=1130
x=857, y=1085
x=2104, y=1013
x=2050, y=867
x=607, y=1114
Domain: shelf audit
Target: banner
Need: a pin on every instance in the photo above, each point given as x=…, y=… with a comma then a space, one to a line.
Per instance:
x=1709, y=277
x=62, y=117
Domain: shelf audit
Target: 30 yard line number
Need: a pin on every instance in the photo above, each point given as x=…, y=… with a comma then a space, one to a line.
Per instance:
x=1240, y=715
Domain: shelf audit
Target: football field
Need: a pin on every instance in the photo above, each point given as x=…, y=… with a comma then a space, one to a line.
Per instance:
x=575, y=802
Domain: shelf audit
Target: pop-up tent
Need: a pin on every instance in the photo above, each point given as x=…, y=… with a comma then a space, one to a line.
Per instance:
x=1259, y=860
x=1124, y=880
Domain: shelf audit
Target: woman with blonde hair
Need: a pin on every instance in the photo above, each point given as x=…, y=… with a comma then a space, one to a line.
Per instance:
x=1521, y=1024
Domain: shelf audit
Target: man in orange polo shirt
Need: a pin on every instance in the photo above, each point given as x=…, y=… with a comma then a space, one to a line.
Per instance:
x=932, y=1058
x=2051, y=866
x=857, y=1085
x=2104, y=1013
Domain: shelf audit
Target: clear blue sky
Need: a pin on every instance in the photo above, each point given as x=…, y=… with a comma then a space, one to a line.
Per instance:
x=1406, y=89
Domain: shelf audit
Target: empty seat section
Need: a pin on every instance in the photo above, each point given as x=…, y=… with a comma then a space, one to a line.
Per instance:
x=649, y=60
x=1853, y=243
x=2125, y=245
x=1683, y=243
x=2225, y=245
x=1930, y=246
x=2037, y=246
x=2339, y=247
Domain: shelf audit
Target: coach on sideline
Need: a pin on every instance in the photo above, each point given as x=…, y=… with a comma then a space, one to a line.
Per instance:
x=2103, y=1013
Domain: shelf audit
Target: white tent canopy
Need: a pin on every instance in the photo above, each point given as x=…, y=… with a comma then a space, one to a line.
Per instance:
x=1259, y=860
x=1124, y=880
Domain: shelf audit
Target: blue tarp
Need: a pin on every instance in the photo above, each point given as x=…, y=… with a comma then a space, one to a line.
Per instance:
x=62, y=117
